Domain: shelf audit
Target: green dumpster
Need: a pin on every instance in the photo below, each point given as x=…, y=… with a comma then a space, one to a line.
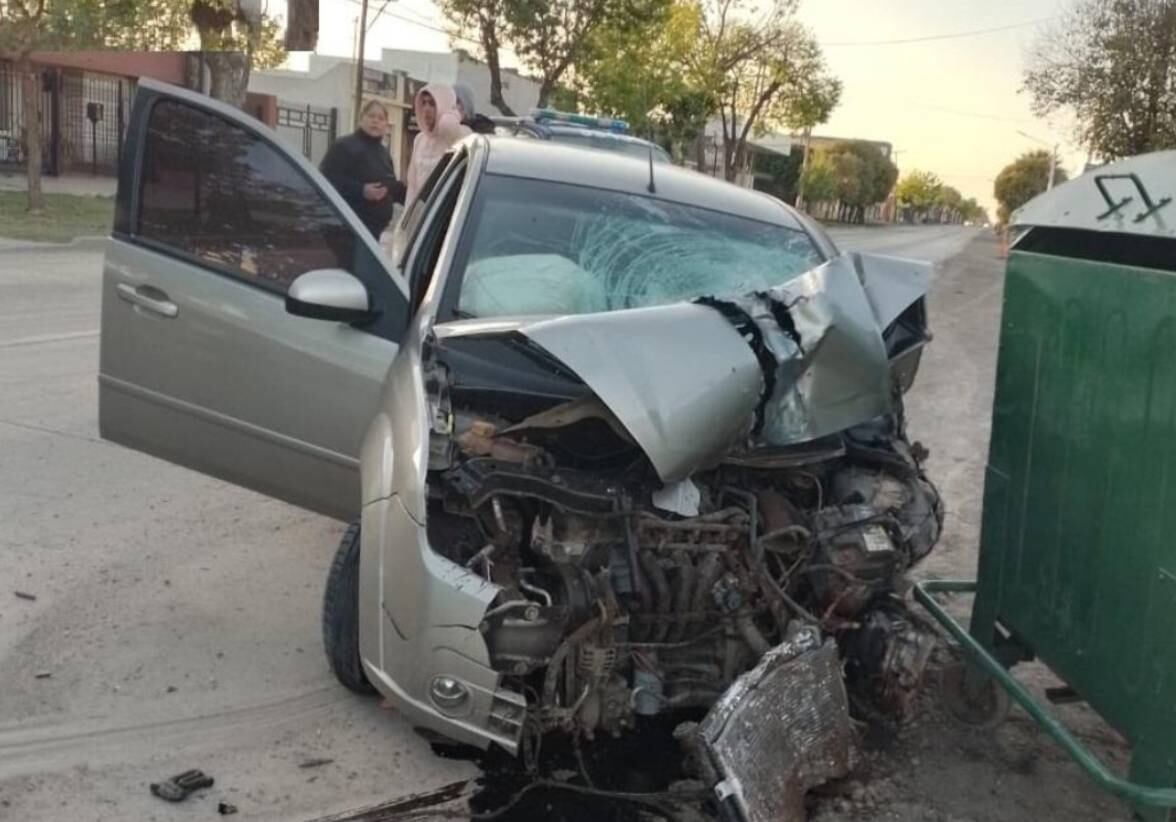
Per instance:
x=1077, y=563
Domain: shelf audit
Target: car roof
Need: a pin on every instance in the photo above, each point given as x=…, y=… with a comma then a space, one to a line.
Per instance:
x=559, y=163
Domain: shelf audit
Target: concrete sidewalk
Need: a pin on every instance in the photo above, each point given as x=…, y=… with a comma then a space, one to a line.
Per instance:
x=79, y=184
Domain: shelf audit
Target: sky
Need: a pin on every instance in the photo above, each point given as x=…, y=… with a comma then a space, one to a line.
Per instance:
x=950, y=105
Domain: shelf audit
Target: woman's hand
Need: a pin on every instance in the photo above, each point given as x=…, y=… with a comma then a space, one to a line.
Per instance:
x=374, y=192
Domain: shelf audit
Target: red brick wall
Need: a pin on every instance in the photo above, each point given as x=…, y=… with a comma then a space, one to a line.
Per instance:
x=167, y=66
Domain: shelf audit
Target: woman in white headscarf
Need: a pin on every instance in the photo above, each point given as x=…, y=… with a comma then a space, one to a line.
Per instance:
x=439, y=120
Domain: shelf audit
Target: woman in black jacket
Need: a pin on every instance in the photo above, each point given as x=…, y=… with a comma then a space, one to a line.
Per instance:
x=360, y=169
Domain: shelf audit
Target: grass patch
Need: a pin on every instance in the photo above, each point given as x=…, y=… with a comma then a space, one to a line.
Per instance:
x=66, y=216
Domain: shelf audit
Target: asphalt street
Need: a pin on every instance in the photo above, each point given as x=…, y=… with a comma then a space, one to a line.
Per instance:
x=176, y=619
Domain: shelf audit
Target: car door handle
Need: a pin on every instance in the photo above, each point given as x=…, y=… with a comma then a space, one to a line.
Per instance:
x=149, y=298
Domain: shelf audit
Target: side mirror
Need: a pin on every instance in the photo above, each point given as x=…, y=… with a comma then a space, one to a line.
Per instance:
x=329, y=294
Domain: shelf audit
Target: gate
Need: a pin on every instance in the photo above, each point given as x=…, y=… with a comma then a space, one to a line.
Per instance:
x=12, y=149
x=83, y=120
x=311, y=129
x=93, y=114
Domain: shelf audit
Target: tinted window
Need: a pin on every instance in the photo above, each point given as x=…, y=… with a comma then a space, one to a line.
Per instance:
x=551, y=248
x=218, y=193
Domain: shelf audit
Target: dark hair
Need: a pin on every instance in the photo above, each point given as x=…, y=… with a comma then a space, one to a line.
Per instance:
x=370, y=104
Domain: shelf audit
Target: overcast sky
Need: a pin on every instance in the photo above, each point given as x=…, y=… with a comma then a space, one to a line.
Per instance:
x=949, y=105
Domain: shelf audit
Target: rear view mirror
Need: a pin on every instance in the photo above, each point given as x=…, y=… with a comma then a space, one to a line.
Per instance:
x=329, y=294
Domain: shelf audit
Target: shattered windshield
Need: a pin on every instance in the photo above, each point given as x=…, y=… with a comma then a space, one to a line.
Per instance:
x=550, y=248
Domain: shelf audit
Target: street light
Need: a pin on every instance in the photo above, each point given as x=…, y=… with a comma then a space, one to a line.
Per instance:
x=1053, y=156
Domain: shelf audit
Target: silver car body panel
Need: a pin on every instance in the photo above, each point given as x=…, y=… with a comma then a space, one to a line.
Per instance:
x=678, y=377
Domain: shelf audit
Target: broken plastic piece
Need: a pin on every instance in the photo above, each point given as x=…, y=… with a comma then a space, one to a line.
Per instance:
x=182, y=785
x=226, y=809
x=681, y=498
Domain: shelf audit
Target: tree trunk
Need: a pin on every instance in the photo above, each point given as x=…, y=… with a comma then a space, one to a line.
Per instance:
x=30, y=95
x=229, y=73
x=804, y=164
x=490, y=46
x=545, y=89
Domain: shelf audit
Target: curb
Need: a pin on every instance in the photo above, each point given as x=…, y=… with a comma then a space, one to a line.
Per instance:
x=86, y=243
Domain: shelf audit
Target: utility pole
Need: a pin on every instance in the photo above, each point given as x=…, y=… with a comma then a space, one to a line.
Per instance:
x=359, y=61
x=1053, y=156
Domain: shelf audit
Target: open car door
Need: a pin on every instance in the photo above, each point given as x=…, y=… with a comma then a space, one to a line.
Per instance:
x=200, y=362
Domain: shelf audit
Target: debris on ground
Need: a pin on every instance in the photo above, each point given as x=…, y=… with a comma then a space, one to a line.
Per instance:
x=25, y=595
x=315, y=763
x=182, y=785
x=226, y=809
x=42, y=675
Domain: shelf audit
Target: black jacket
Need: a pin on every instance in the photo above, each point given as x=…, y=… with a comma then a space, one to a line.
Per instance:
x=479, y=124
x=353, y=162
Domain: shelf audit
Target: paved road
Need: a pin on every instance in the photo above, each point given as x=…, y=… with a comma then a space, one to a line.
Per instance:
x=177, y=617
x=935, y=243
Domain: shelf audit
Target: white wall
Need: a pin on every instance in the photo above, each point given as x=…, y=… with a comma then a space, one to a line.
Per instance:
x=521, y=93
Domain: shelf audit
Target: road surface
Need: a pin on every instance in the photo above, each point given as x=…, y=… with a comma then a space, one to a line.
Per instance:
x=176, y=619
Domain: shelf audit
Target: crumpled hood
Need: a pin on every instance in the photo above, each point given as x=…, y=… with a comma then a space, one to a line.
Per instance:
x=693, y=381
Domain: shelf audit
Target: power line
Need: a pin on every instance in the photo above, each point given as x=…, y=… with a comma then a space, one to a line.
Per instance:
x=930, y=38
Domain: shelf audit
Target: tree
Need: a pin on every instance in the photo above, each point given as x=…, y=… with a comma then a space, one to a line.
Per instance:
x=764, y=70
x=918, y=190
x=874, y=176
x=809, y=110
x=235, y=36
x=819, y=180
x=1022, y=180
x=1113, y=64
x=28, y=26
x=640, y=73
x=483, y=18
x=549, y=36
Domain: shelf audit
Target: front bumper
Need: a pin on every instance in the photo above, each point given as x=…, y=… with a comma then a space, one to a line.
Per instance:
x=419, y=618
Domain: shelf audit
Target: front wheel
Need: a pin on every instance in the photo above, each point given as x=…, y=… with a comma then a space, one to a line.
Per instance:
x=341, y=615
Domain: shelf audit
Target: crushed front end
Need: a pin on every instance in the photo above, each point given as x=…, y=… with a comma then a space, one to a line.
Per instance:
x=664, y=500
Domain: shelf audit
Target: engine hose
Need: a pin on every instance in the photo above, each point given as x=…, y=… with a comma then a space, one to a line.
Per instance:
x=752, y=635
x=661, y=588
x=684, y=588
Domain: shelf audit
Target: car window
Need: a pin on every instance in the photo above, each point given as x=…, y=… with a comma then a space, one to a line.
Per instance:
x=216, y=192
x=540, y=247
x=432, y=236
x=410, y=223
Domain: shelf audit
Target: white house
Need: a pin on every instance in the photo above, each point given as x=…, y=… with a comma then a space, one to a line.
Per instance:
x=318, y=104
x=519, y=91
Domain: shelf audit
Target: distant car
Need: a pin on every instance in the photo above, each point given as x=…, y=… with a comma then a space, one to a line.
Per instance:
x=604, y=133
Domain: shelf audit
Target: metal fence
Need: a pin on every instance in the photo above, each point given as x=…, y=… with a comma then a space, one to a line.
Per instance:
x=309, y=128
x=83, y=119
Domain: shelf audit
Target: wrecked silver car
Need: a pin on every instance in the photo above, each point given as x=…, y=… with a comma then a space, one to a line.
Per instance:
x=615, y=433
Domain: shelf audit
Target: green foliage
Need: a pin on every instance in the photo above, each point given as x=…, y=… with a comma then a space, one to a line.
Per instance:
x=764, y=69
x=640, y=71
x=1113, y=64
x=1022, y=180
x=918, y=190
x=820, y=180
x=872, y=172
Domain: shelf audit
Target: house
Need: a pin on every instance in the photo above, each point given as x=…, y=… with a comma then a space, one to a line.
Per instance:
x=520, y=92
x=85, y=105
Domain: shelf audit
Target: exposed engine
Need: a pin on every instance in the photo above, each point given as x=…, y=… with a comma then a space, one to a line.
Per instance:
x=621, y=597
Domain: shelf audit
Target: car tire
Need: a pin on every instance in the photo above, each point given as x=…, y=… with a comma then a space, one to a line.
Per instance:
x=341, y=615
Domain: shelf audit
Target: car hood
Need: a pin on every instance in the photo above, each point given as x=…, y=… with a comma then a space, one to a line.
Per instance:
x=691, y=382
